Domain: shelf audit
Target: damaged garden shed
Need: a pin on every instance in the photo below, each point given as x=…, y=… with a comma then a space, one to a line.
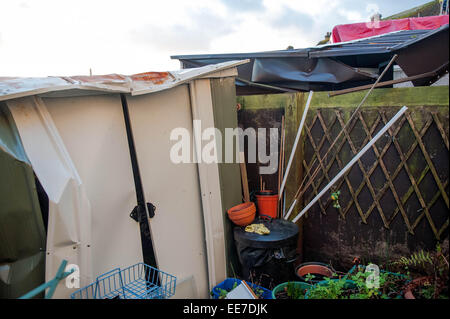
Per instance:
x=97, y=145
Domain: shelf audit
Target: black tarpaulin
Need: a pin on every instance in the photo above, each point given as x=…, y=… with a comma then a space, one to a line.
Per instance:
x=274, y=70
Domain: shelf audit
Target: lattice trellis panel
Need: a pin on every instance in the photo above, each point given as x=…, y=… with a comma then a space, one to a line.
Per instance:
x=405, y=173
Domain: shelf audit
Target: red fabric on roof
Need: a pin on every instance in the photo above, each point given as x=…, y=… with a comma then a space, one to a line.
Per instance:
x=347, y=32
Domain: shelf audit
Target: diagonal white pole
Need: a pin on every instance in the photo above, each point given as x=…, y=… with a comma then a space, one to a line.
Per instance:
x=297, y=138
x=350, y=164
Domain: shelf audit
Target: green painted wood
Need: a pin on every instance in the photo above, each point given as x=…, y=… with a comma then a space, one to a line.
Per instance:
x=22, y=232
x=225, y=116
x=265, y=101
x=410, y=96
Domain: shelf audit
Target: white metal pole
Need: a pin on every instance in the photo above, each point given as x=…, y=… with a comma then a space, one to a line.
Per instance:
x=297, y=138
x=350, y=164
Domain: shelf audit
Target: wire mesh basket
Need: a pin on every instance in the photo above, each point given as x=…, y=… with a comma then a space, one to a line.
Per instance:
x=139, y=281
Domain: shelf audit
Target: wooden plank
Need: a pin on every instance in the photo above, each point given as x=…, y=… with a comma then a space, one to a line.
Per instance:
x=381, y=84
x=244, y=176
x=354, y=159
x=223, y=92
x=202, y=106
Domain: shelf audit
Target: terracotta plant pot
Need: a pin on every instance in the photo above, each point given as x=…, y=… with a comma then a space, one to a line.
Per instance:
x=242, y=214
x=408, y=292
x=267, y=203
x=319, y=270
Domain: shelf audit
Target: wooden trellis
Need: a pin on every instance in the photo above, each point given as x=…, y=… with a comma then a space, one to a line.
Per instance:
x=406, y=140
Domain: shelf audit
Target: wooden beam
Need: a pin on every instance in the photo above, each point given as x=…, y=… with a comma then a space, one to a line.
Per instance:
x=381, y=84
x=244, y=177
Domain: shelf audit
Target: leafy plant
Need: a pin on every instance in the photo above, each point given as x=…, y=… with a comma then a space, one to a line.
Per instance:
x=330, y=289
x=419, y=258
x=335, y=199
x=432, y=267
x=309, y=277
x=258, y=292
x=355, y=286
x=223, y=292
x=294, y=292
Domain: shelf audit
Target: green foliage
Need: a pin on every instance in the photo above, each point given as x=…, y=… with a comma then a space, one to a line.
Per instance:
x=335, y=199
x=355, y=287
x=309, y=277
x=433, y=266
x=294, y=292
x=332, y=289
x=428, y=291
x=420, y=258
x=223, y=292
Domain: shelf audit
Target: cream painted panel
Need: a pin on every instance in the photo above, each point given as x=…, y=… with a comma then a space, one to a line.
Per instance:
x=202, y=110
x=177, y=228
x=69, y=220
x=93, y=132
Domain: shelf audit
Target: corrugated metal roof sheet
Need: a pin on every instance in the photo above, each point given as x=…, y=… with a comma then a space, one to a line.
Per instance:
x=136, y=84
x=340, y=65
x=384, y=43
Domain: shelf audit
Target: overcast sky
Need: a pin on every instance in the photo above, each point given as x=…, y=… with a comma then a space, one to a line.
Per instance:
x=67, y=37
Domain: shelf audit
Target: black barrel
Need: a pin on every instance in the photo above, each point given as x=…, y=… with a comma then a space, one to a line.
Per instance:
x=268, y=260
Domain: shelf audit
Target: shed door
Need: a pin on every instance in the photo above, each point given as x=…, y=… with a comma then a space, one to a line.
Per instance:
x=178, y=227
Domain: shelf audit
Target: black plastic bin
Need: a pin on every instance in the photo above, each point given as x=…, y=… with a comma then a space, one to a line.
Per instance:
x=268, y=260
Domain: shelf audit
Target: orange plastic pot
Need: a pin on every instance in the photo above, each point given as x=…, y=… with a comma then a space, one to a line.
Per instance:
x=242, y=214
x=267, y=203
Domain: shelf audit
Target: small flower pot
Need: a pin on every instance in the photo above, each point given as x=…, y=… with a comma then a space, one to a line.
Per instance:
x=242, y=214
x=319, y=270
x=267, y=203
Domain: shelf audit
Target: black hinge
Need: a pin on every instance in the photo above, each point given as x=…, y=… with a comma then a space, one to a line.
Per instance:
x=151, y=212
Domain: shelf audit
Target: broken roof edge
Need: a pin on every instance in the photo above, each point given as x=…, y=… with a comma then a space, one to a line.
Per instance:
x=137, y=84
x=310, y=52
x=186, y=75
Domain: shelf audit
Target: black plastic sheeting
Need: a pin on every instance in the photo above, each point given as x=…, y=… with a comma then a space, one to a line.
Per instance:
x=340, y=65
x=276, y=70
x=269, y=259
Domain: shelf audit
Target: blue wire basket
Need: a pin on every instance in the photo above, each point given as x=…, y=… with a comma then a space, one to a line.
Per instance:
x=139, y=281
